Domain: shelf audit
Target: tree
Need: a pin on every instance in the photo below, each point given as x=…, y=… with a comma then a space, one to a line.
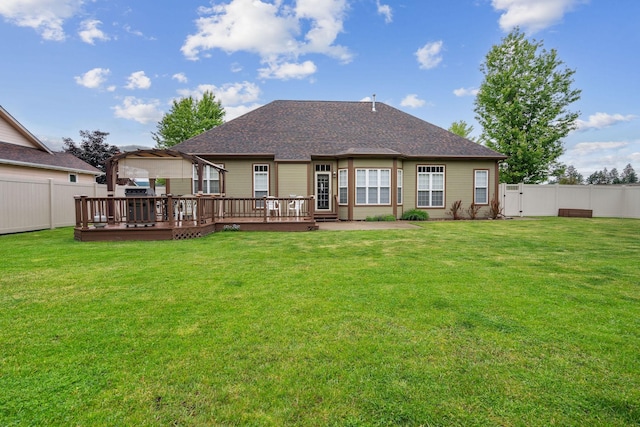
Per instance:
x=568, y=176
x=461, y=128
x=188, y=117
x=93, y=149
x=628, y=175
x=614, y=177
x=522, y=107
x=599, y=177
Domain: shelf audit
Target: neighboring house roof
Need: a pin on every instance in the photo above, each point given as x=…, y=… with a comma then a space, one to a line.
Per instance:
x=37, y=154
x=301, y=130
x=32, y=157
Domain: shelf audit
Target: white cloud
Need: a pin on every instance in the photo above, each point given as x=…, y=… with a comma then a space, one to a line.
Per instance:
x=412, y=101
x=274, y=31
x=589, y=157
x=532, y=15
x=603, y=120
x=586, y=148
x=429, y=55
x=229, y=94
x=93, y=79
x=385, y=10
x=181, y=77
x=287, y=70
x=133, y=108
x=44, y=16
x=469, y=91
x=89, y=31
x=138, y=80
x=231, y=113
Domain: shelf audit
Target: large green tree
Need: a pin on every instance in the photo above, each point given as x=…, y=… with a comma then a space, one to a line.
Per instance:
x=187, y=118
x=522, y=106
x=461, y=128
x=93, y=149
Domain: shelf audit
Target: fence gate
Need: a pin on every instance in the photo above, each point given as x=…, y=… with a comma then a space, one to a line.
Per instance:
x=511, y=199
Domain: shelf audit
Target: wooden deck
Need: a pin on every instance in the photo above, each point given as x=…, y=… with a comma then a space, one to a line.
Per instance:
x=149, y=218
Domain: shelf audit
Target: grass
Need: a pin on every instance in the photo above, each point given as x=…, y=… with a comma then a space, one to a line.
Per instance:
x=515, y=323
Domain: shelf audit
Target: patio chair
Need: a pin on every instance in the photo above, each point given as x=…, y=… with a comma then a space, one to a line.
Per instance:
x=296, y=206
x=273, y=205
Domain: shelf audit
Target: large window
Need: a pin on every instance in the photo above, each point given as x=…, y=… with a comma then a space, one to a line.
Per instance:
x=343, y=187
x=399, y=185
x=430, y=186
x=260, y=183
x=210, y=180
x=481, y=187
x=373, y=186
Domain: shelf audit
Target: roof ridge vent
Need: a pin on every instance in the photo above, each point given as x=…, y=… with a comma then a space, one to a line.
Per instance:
x=373, y=105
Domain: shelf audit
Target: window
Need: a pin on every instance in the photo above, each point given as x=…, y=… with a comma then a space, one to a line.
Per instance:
x=343, y=198
x=399, y=185
x=210, y=180
x=260, y=183
x=373, y=186
x=430, y=186
x=481, y=187
x=73, y=177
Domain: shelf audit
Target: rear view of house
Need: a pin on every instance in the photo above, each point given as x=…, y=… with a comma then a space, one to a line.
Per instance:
x=357, y=159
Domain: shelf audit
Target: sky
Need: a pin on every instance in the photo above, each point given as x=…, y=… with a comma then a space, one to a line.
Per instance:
x=117, y=66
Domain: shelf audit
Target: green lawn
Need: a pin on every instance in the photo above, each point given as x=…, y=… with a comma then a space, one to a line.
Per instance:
x=513, y=323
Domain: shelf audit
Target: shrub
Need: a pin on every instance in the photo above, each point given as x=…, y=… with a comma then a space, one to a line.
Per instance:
x=495, y=210
x=381, y=218
x=473, y=210
x=455, y=210
x=415, y=215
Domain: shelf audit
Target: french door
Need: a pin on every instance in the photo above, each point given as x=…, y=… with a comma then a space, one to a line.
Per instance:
x=323, y=187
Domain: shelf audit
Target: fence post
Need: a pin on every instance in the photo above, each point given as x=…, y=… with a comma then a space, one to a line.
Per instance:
x=51, y=206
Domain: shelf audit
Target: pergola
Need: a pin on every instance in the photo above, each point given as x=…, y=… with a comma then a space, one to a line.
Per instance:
x=155, y=164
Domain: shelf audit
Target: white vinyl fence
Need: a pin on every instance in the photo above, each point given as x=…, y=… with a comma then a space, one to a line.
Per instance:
x=27, y=205
x=619, y=201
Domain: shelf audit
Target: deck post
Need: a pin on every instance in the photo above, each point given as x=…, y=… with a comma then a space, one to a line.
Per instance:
x=169, y=207
x=111, y=208
x=264, y=206
x=84, y=212
x=312, y=206
x=78, y=211
x=199, y=209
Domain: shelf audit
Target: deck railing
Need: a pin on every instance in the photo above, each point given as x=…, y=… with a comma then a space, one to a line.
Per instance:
x=185, y=210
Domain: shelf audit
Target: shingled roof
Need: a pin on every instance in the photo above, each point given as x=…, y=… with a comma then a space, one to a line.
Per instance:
x=301, y=130
x=27, y=156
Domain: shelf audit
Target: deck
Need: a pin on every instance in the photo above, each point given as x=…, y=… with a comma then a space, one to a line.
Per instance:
x=177, y=218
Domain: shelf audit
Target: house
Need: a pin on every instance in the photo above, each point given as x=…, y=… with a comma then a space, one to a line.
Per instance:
x=22, y=155
x=357, y=159
x=37, y=185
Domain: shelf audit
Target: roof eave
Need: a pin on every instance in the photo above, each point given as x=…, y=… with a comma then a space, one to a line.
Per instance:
x=49, y=167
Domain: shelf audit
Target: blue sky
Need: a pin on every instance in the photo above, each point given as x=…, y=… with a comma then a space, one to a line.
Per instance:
x=116, y=66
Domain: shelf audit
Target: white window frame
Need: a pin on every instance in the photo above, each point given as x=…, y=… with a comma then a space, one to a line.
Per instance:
x=480, y=186
x=260, y=169
x=343, y=187
x=399, y=185
x=73, y=177
x=431, y=189
x=373, y=187
x=208, y=179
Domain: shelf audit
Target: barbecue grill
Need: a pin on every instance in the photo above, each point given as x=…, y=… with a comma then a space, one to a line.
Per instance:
x=141, y=208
